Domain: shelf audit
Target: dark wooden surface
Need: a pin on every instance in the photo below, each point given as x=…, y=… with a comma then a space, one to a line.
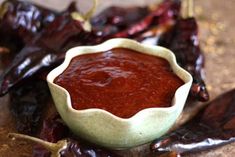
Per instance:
x=217, y=39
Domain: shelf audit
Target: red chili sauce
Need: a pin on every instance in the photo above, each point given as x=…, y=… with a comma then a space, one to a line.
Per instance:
x=121, y=81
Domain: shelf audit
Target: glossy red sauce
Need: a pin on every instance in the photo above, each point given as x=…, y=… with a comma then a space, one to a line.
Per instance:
x=121, y=81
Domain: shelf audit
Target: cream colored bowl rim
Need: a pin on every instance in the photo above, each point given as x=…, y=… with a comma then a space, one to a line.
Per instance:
x=107, y=45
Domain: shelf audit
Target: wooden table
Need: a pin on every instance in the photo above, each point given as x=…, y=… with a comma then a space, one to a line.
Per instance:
x=217, y=38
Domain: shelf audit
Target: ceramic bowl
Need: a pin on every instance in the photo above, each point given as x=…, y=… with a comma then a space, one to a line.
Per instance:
x=106, y=129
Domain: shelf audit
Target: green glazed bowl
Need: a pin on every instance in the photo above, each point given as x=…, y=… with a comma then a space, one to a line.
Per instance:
x=105, y=129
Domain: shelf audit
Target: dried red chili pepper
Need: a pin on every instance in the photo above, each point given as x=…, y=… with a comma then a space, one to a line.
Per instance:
x=45, y=50
x=115, y=19
x=213, y=126
x=21, y=20
x=152, y=35
x=27, y=103
x=119, y=16
x=183, y=41
x=168, y=10
x=53, y=131
x=76, y=149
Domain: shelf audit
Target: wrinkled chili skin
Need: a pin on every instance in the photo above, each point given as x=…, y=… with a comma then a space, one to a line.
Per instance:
x=114, y=19
x=76, y=149
x=27, y=103
x=45, y=50
x=24, y=19
x=119, y=16
x=19, y=22
x=167, y=10
x=213, y=126
x=183, y=41
x=54, y=130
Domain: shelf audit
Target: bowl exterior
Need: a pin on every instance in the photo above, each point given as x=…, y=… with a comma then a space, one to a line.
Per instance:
x=106, y=129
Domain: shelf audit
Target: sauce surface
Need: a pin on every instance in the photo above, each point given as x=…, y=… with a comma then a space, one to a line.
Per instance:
x=121, y=81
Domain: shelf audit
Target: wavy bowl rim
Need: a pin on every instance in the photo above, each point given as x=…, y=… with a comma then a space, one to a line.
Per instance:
x=70, y=54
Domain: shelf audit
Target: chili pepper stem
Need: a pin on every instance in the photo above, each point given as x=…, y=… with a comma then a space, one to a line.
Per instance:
x=86, y=17
x=187, y=8
x=91, y=12
x=54, y=148
x=3, y=9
